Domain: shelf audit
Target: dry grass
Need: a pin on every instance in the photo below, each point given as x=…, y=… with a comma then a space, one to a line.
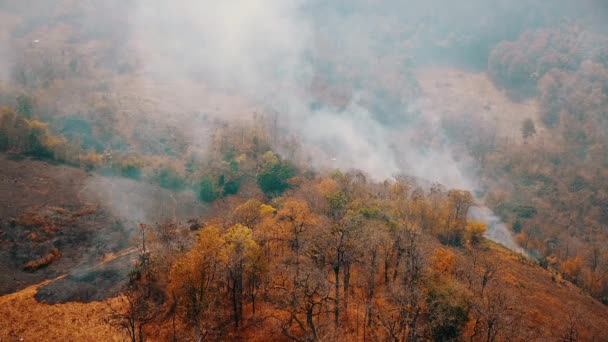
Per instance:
x=548, y=301
x=23, y=318
x=88, y=210
x=43, y=262
x=449, y=92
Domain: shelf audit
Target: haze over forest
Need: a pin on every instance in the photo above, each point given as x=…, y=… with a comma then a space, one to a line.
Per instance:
x=305, y=170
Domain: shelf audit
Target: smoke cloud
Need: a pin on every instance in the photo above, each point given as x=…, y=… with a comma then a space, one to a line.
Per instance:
x=340, y=75
x=269, y=51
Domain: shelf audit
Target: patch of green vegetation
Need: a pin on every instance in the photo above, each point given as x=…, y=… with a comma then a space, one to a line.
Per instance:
x=525, y=211
x=273, y=180
x=207, y=191
x=370, y=213
x=578, y=184
x=517, y=226
x=25, y=106
x=449, y=311
x=168, y=178
x=37, y=148
x=232, y=187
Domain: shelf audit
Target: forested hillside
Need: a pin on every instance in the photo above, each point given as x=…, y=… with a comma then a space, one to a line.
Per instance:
x=304, y=170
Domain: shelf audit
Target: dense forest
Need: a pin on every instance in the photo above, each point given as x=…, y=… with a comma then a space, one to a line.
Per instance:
x=354, y=170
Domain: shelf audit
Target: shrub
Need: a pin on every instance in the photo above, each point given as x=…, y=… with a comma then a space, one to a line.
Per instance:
x=475, y=232
x=525, y=211
x=4, y=141
x=36, y=146
x=130, y=171
x=25, y=106
x=578, y=184
x=517, y=226
x=232, y=187
x=207, y=192
x=452, y=237
x=448, y=311
x=273, y=180
x=168, y=178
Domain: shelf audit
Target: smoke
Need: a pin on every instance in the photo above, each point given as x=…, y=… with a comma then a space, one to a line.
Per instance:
x=6, y=56
x=265, y=52
x=497, y=230
x=135, y=202
x=340, y=74
x=251, y=47
x=270, y=53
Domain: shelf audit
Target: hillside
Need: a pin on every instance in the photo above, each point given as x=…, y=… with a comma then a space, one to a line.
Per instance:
x=47, y=206
x=306, y=171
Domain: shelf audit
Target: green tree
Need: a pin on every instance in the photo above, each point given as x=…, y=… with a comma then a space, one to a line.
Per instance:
x=25, y=106
x=273, y=180
x=207, y=192
x=448, y=310
x=528, y=129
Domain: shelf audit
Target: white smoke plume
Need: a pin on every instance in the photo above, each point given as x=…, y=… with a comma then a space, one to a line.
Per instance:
x=264, y=51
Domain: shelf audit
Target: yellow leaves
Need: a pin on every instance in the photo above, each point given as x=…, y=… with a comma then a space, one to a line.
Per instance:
x=35, y=124
x=398, y=190
x=269, y=159
x=209, y=238
x=91, y=158
x=552, y=260
x=266, y=210
x=443, y=261
x=239, y=234
x=241, y=158
x=572, y=267
x=240, y=247
x=475, y=231
x=327, y=186
x=7, y=113
x=297, y=213
x=207, y=252
x=132, y=162
x=248, y=213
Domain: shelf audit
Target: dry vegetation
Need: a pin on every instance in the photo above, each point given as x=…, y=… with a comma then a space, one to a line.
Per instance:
x=272, y=249
x=24, y=319
x=451, y=94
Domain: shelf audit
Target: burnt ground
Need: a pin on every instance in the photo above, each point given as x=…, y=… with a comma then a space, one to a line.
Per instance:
x=89, y=284
x=40, y=210
x=52, y=224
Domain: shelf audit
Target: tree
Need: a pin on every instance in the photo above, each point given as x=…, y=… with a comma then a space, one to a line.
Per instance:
x=133, y=314
x=459, y=202
x=448, y=310
x=528, y=129
x=376, y=241
x=475, y=232
x=142, y=297
x=273, y=179
x=295, y=219
x=242, y=253
x=207, y=192
x=25, y=106
x=196, y=280
x=248, y=213
x=304, y=304
x=570, y=331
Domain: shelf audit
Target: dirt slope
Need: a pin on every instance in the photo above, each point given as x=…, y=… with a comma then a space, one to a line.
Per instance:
x=547, y=302
x=449, y=92
x=60, y=218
